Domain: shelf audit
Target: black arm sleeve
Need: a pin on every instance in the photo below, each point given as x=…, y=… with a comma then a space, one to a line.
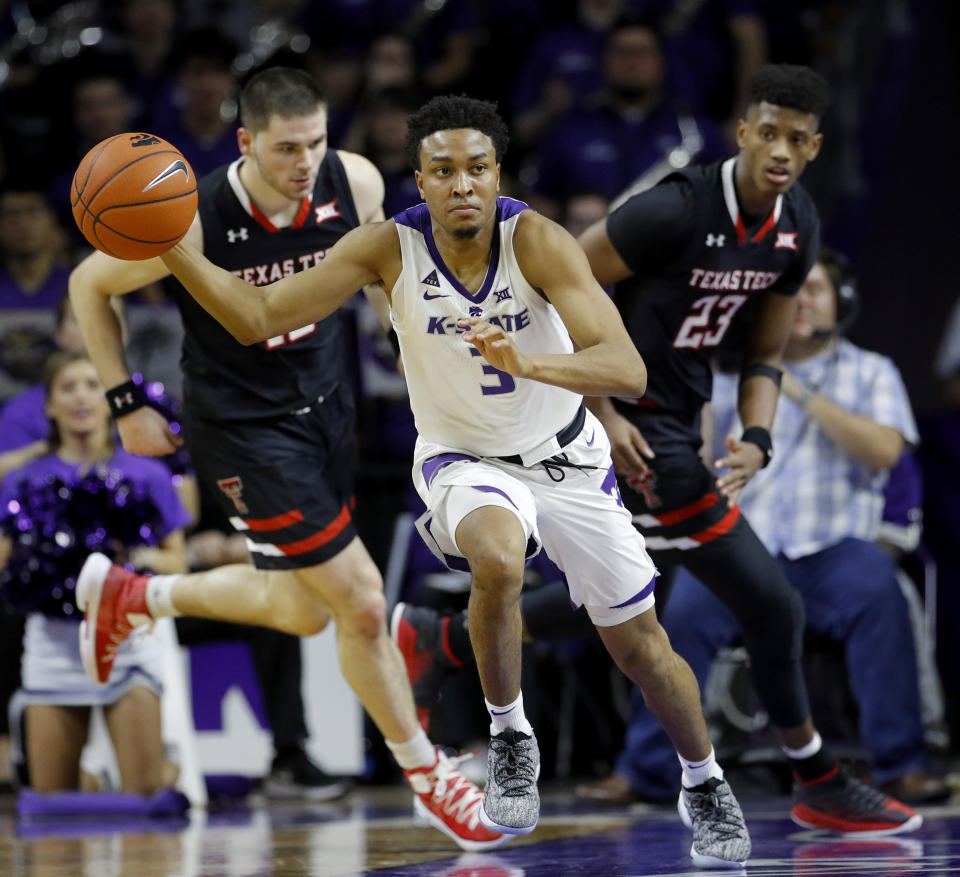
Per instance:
x=654, y=227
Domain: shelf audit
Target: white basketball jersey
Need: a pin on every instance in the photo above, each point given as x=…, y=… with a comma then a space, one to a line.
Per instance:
x=458, y=398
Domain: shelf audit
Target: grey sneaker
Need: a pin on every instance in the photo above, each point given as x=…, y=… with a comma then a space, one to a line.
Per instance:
x=720, y=836
x=511, y=802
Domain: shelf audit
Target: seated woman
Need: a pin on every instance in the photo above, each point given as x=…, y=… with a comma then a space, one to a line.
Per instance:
x=85, y=494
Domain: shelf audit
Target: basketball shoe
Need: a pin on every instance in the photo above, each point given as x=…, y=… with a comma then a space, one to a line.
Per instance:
x=712, y=813
x=114, y=602
x=451, y=803
x=423, y=637
x=511, y=801
x=838, y=802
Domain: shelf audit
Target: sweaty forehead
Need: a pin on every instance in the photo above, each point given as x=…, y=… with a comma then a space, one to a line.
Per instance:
x=455, y=143
x=765, y=113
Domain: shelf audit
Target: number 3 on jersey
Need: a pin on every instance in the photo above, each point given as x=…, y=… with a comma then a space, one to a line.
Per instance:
x=708, y=321
x=506, y=385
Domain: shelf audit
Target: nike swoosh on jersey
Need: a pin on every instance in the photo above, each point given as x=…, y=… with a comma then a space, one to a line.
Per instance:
x=428, y=297
x=175, y=167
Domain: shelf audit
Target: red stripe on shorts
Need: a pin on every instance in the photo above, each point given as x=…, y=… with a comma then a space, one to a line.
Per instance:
x=724, y=525
x=688, y=511
x=327, y=534
x=287, y=519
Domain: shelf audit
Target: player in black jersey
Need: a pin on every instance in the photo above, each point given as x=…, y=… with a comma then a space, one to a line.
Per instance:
x=270, y=426
x=685, y=258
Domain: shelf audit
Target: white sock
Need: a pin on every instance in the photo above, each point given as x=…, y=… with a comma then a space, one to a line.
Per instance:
x=697, y=772
x=509, y=716
x=811, y=748
x=160, y=596
x=416, y=752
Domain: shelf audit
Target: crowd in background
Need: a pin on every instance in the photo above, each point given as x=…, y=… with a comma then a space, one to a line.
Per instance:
x=602, y=97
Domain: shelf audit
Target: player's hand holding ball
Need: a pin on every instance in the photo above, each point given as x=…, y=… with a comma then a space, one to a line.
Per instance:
x=134, y=196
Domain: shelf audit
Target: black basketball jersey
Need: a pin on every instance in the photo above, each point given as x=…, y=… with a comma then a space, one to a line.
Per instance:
x=224, y=379
x=696, y=265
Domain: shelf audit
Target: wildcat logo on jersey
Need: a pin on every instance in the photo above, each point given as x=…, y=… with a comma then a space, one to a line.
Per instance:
x=700, y=278
x=786, y=240
x=233, y=487
x=326, y=211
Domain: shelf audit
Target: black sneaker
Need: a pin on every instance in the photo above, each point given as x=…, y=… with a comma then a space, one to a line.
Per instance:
x=294, y=775
x=422, y=636
x=840, y=803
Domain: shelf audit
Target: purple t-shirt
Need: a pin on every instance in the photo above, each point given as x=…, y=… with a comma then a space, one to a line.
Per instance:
x=22, y=420
x=152, y=473
x=47, y=296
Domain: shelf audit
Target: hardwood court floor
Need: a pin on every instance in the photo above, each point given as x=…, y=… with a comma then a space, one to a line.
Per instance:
x=373, y=831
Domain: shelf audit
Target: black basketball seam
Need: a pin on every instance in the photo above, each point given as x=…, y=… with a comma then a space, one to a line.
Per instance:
x=120, y=170
x=80, y=189
x=97, y=218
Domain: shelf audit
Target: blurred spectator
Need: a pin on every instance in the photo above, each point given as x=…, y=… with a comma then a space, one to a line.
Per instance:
x=583, y=210
x=713, y=49
x=202, y=120
x=101, y=106
x=141, y=45
x=34, y=266
x=630, y=131
x=563, y=69
x=385, y=133
x=82, y=465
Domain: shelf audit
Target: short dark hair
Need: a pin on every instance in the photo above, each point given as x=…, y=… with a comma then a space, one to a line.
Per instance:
x=455, y=111
x=790, y=85
x=278, y=91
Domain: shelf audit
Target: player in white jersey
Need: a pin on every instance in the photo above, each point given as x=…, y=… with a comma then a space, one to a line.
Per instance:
x=486, y=297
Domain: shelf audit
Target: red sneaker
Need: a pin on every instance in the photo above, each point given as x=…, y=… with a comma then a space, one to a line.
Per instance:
x=451, y=803
x=847, y=806
x=114, y=602
x=423, y=637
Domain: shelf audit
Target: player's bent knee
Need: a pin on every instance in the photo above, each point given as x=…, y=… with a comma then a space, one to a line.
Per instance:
x=365, y=616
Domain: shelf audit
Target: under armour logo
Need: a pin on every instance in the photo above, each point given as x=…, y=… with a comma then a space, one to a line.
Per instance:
x=503, y=294
x=175, y=167
x=233, y=487
x=125, y=399
x=786, y=240
x=144, y=140
x=326, y=211
x=716, y=240
x=431, y=279
x=240, y=235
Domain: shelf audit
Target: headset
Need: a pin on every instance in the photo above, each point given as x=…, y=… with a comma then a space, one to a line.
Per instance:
x=844, y=282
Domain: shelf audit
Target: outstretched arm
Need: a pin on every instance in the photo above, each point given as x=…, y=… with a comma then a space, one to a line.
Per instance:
x=605, y=362
x=367, y=254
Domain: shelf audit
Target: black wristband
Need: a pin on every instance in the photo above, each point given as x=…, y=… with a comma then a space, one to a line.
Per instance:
x=394, y=341
x=126, y=398
x=761, y=369
x=759, y=436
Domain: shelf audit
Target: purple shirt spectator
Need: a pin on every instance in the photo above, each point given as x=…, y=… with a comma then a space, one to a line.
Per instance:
x=22, y=420
x=600, y=150
x=47, y=295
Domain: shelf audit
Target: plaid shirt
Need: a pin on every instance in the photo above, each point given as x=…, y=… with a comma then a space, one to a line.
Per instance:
x=813, y=493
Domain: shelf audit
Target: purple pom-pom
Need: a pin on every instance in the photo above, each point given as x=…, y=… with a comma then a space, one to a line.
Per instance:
x=58, y=523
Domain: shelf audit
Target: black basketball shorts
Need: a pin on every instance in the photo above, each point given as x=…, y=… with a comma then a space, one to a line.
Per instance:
x=285, y=482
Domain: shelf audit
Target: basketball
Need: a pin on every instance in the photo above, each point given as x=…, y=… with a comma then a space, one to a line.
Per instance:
x=133, y=196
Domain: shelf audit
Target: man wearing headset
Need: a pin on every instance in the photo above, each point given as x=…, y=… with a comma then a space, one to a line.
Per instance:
x=842, y=423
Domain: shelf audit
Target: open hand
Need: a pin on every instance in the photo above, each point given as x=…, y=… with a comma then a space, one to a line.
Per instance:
x=744, y=460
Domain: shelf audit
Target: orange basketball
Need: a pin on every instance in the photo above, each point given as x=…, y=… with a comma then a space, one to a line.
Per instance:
x=134, y=196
